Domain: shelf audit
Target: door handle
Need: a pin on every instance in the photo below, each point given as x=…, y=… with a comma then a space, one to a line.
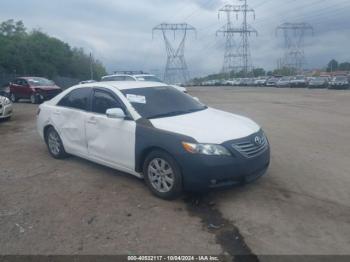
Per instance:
x=57, y=112
x=92, y=121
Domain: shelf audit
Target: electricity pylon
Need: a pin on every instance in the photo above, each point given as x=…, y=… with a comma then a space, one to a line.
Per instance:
x=237, y=59
x=176, y=70
x=294, y=35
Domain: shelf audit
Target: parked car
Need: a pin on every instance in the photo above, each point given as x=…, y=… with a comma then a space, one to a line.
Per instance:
x=319, y=82
x=339, y=82
x=5, y=90
x=87, y=82
x=154, y=132
x=272, y=81
x=261, y=81
x=6, y=108
x=284, y=82
x=139, y=77
x=237, y=81
x=298, y=81
x=245, y=82
x=37, y=89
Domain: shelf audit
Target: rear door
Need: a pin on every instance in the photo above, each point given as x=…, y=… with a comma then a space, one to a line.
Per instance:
x=69, y=117
x=111, y=141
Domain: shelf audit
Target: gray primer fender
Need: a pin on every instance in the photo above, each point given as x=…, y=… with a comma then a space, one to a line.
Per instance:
x=148, y=137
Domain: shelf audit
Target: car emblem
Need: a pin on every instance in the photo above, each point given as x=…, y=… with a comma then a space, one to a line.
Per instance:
x=258, y=140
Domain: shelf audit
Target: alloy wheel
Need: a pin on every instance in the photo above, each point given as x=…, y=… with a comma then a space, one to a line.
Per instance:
x=13, y=98
x=54, y=143
x=33, y=99
x=161, y=175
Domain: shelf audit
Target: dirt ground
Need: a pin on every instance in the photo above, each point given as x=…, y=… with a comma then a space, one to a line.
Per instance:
x=302, y=206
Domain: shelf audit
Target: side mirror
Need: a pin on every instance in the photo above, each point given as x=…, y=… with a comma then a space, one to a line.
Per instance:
x=115, y=113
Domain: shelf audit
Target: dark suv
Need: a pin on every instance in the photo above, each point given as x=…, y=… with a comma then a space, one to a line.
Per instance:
x=37, y=89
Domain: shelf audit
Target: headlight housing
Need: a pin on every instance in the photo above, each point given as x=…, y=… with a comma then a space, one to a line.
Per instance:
x=206, y=149
x=7, y=101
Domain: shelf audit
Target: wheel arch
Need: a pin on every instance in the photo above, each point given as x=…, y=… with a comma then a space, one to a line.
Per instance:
x=144, y=153
x=46, y=128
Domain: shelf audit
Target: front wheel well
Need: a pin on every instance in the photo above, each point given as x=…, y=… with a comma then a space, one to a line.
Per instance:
x=46, y=128
x=145, y=153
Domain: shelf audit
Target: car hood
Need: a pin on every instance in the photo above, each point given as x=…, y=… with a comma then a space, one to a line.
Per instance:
x=208, y=126
x=180, y=88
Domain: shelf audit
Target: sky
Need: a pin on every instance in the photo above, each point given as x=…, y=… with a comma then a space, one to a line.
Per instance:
x=119, y=32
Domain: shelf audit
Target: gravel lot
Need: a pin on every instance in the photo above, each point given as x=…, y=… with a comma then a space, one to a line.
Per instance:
x=76, y=207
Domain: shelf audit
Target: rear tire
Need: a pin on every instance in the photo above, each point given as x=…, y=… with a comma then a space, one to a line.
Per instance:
x=54, y=144
x=162, y=175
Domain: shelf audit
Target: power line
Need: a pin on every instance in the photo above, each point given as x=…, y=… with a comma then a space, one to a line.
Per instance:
x=176, y=70
x=237, y=59
x=294, y=34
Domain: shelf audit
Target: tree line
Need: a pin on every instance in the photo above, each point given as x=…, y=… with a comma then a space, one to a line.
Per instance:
x=37, y=54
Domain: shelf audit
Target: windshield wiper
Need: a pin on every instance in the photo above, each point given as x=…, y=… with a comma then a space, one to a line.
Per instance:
x=175, y=113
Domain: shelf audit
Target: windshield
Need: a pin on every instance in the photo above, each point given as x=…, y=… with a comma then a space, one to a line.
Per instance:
x=299, y=78
x=36, y=81
x=149, y=78
x=158, y=102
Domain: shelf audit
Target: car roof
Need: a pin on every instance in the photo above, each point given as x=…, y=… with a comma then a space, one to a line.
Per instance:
x=123, y=85
x=143, y=75
x=117, y=75
x=138, y=75
x=30, y=77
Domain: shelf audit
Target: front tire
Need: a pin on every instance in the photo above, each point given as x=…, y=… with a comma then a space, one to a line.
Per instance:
x=34, y=99
x=13, y=98
x=162, y=175
x=54, y=144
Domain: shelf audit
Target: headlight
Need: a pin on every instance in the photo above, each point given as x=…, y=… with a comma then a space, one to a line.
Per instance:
x=7, y=102
x=206, y=149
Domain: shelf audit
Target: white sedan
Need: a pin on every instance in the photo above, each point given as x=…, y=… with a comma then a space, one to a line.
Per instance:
x=155, y=132
x=6, y=108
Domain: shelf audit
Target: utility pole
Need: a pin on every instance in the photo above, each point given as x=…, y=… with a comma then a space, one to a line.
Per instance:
x=91, y=67
x=176, y=70
x=294, y=35
x=237, y=59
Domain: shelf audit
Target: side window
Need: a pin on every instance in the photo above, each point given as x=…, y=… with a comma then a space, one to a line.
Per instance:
x=18, y=82
x=24, y=83
x=129, y=78
x=103, y=101
x=78, y=99
x=119, y=78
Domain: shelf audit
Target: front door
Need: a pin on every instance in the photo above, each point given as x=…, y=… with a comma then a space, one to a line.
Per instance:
x=110, y=140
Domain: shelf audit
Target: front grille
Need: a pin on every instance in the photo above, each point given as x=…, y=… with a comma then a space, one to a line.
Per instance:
x=249, y=148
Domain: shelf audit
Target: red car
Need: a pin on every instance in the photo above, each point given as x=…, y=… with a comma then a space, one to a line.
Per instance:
x=37, y=89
